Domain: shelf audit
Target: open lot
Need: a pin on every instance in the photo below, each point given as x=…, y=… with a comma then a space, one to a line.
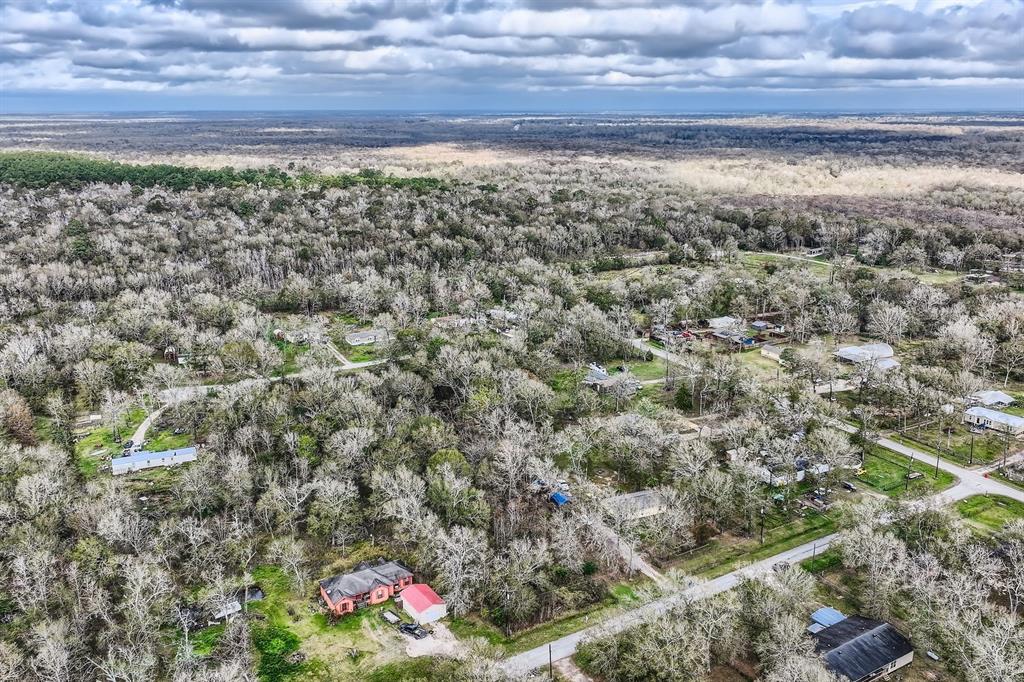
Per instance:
x=989, y=514
x=886, y=472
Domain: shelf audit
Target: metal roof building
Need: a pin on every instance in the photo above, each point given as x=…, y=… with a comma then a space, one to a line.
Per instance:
x=149, y=460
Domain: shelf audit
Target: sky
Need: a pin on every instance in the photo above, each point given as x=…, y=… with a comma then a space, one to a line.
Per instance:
x=510, y=55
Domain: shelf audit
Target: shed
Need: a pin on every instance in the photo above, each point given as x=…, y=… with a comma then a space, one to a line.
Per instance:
x=722, y=322
x=991, y=398
x=365, y=338
x=422, y=604
x=827, y=616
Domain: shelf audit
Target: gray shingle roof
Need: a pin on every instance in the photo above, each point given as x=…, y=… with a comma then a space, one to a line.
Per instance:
x=857, y=646
x=364, y=578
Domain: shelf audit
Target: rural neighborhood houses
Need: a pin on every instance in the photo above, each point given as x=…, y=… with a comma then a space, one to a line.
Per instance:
x=995, y=420
x=149, y=460
x=368, y=584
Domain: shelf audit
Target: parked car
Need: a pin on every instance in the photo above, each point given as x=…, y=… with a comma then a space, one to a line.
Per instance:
x=413, y=630
x=390, y=616
x=849, y=486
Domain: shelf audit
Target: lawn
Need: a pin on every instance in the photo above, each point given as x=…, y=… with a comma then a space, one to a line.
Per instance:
x=885, y=471
x=764, y=367
x=989, y=514
x=290, y=354
x=99, y=445
x=352, y=648
x=619, y=596
x=358, y=353
x=728, y=552
x=988, y=447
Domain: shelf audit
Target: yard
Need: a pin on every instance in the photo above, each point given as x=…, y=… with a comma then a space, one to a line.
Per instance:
x=989, y=514
x=728, y=552
x=99, y=445
x=621, y=595
x=295, y=640
x=957, y=446
x=886, y=471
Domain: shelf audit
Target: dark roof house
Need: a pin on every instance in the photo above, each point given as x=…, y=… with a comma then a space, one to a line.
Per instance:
x=862, y=649
x=364, y=578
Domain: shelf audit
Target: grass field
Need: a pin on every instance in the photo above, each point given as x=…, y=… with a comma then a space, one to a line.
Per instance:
x=885, y=471
x=989, y=514
x=99, y=445
x=988, y=447
x=726, y=553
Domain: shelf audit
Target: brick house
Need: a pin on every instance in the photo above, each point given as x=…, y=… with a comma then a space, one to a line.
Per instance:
x=368, y=584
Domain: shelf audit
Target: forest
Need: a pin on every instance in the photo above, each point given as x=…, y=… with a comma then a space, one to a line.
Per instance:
x=466, y=364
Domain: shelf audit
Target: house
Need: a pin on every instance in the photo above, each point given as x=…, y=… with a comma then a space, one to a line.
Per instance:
x=761, y=325
x=991, y=398
x=367, y=585
x=422, y=604
x=993, y=419
x=722, y=322
x=453, y=322
x=150, y=460
x=802, y=467
x=366, y=337
x=863, y=650
x=638, y=505
x=866, y=353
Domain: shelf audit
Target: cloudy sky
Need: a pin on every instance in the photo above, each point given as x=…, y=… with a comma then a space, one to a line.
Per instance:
x=450, y=55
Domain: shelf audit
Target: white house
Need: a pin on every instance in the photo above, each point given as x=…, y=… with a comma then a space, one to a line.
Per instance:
x=722, y=322
x=865, y=353
x=991, y=398
x=150, y=460
x=365, y=338
x=638, y=505
x=422, y=603
x=995, y=420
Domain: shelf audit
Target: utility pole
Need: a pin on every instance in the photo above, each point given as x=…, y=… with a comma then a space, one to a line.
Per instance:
x=936, y=464
x=972, y=448
x=762, y=524
x=551, y=664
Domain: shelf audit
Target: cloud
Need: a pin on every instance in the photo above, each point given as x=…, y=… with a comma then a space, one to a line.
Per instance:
x=311, y=47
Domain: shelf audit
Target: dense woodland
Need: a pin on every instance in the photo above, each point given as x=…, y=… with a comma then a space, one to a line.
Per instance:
x=430, y=457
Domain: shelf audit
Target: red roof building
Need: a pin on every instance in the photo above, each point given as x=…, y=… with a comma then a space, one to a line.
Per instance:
x=423, y=604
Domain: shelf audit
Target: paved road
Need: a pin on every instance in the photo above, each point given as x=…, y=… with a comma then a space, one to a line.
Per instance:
x=566, y=646
x=972, y=482
x=178, y=394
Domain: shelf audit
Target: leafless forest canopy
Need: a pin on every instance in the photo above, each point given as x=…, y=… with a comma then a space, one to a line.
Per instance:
x=553, y=242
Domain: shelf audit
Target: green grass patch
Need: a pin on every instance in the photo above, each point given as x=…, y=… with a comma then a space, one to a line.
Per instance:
x=99, y=445
x=206, y=640
x=359, y=353
x=989, y=514
x=885, y=472
x=825, y=561
x=724, y=554
x=988, y=447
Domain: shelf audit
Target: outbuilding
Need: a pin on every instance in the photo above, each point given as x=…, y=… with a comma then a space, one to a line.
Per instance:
x=863, y=650
x=422, y=603
x=991, y=399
